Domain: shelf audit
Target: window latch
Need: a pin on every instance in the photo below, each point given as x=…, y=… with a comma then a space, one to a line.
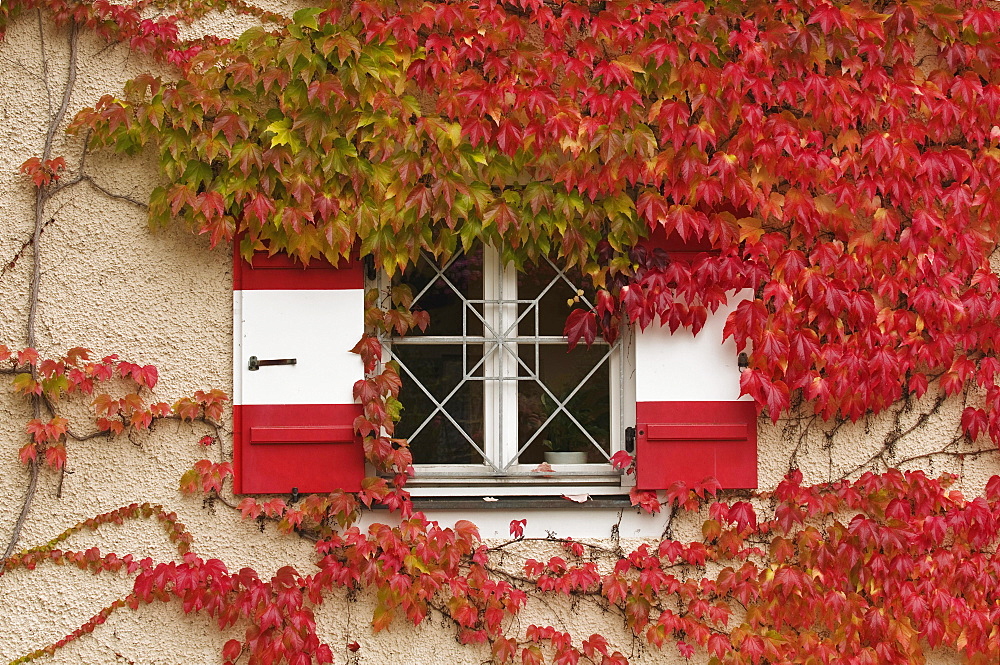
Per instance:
x=630, y=440
x=256, y=364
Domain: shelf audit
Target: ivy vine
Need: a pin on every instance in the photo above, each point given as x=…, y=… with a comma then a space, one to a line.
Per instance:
x=840, y=159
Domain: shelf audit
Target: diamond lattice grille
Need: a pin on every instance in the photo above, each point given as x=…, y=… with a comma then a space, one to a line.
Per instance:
x=490, y=383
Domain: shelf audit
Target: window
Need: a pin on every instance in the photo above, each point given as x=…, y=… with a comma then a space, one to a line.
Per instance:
x=484, y=388
x=489, y=389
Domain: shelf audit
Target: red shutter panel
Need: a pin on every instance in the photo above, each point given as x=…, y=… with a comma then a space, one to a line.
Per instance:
x=690, y=420
x=690, y=441
x=293, y=415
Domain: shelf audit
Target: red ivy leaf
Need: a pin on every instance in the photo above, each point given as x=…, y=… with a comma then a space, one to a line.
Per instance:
x=580, y=324
x=621, y=460
x=146, y=376
x=993, y=488
x=27, y=356
x=249, y=508
x=28, y=453
x=974, y=422
x=232, y=649
x=231, y=125
x=742, y=514
x=647, y=500
x=370, y=350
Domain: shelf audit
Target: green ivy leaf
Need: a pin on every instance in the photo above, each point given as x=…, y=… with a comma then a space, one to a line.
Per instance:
x=306, y=17
x=283, y=134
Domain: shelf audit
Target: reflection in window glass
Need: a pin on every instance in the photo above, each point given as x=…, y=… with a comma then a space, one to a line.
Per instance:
x=443, y=414
x=443, y=293
x=584, y=420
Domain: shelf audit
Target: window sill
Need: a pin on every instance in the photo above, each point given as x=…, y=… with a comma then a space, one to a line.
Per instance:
x=554, y=486
x=516, y=504
x=599, y=517
x=521, y=481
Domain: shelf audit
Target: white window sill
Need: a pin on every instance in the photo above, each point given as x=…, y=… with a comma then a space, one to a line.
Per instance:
x=563, y=479
x=598, y=517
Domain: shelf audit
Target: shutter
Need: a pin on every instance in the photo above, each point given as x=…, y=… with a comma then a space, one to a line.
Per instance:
x=293, y=423
x=689, y=441
x=691, y=422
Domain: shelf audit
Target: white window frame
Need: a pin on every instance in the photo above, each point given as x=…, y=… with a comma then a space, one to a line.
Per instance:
x=502, y=476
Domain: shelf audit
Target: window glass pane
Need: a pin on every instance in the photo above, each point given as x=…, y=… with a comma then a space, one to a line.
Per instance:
x=440, y=293
x=440, y=435
x=551, y=291
x=561, y=373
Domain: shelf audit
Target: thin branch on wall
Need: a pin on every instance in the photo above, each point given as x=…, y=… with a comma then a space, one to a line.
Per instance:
x=884, y=453
x=83, y=176
x=24, y=247
x=947, y=453
x=42, y=196
x=45, y=60
x=93, y=183
x=25, y=508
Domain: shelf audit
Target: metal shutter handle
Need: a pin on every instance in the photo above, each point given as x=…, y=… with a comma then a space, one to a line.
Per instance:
x=256, y=364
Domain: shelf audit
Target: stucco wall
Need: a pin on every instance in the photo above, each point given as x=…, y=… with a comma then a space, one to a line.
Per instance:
x=164, y=298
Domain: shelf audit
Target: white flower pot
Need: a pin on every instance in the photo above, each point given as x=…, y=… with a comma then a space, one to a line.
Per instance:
x=575, y=457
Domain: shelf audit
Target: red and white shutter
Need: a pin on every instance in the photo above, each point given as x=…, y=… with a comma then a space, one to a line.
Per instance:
x=293, y=422
x=691, y=422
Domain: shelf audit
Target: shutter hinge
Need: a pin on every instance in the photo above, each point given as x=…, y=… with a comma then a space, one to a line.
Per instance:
x=630, y=440
x=368, y=260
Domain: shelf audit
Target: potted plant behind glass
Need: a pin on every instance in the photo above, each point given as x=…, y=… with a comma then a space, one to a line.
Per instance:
x=564, y=442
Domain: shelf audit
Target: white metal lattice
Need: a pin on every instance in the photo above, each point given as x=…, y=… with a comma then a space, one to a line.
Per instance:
x=500, y=367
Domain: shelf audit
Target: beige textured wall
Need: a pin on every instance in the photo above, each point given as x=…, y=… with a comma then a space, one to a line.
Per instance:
x=110, y=284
